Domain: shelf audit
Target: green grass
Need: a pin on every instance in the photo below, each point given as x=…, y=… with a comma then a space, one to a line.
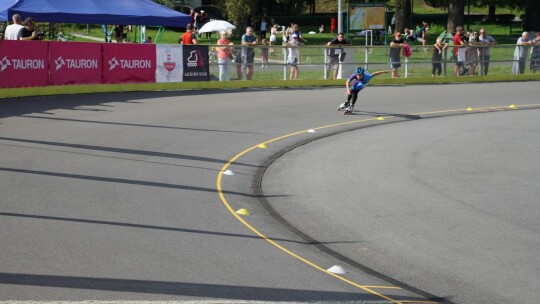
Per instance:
x=83, y=89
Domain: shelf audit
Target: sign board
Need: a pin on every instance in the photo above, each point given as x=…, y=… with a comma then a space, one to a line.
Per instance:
x=75, y=63
x=24, y=63
x=367, y=16
x=129, y=63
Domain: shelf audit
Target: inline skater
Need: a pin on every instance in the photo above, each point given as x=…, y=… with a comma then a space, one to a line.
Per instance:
x=355, y=83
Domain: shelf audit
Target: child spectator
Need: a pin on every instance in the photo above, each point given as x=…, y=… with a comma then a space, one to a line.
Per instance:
x=264, y=54
x=436, y=59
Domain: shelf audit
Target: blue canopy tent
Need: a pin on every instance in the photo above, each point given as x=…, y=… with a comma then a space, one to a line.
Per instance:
x=133, y=12
x=4, y=6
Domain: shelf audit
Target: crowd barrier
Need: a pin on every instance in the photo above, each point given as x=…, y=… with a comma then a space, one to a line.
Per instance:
x=44, y=63
x=40, y=63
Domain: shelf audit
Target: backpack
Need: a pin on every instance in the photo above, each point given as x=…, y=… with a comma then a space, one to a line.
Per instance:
x=407, y=52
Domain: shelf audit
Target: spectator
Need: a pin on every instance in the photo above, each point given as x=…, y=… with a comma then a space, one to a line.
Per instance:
x=332, y=25
x=321, y=29
x=246, y=56
x=224, y=55
x=192, y=15
x=472, y=54
x=424, y=34
x=436, y=58
x=459, y=50
x=263, y=29
x=203, y=20
x=12, y=31
x=119, y=33
x=335, y=54
x=188, y=37
x=485, y=51
x=286, y=34
x=395, y=53
x=149, y=40
x=28, y=32
x=520, y=54
x=393, y=24
x=198, y=24
x=296, y=30
x=535, y=54
x=273, y=34
x=264, y=54
x=292, y=59
x=409, y=35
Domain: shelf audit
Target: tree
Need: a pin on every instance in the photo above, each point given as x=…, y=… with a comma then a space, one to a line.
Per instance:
x=456, y=14
x=532, y=16
x=238, y=12
x=403, y=14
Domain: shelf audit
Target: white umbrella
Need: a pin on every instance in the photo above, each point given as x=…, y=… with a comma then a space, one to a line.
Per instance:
x=216, y=26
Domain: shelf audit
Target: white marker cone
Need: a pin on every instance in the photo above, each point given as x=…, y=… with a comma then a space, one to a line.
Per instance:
x=228, y=172
x=336, y=269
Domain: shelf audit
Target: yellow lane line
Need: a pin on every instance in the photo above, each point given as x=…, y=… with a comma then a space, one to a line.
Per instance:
x=277, y=245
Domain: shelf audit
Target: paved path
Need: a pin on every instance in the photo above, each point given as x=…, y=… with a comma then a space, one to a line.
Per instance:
x=115, y=196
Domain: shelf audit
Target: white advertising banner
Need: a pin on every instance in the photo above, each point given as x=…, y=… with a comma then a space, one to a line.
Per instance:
x=169, y=63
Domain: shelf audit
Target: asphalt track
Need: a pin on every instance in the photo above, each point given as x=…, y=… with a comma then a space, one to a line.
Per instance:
x=425, y=194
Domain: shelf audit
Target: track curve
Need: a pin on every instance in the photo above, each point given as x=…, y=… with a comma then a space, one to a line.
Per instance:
x=113, y=196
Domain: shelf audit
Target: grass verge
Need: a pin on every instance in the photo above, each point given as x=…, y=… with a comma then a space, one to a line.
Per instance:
x=145, y=87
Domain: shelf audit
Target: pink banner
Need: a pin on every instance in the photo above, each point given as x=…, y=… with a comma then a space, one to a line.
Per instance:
x=24, y=63
x=75, y=63
x=128, y=63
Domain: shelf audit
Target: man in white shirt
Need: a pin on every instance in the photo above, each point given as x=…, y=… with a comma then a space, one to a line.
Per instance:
x=12, y=31
x=485, y=53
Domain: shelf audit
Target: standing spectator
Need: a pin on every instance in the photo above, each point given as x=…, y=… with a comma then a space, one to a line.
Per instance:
x=472, y=55
x=293, y=56
x=273, y=35
x=272, y=22
x=521, y=53
x=192, y=15
x=424, y=34
x=263, y=29
x=485, y=51
x=264, y=54
x=436, y=58
x=535, y=54
x=393, y=24
x=198, y=24
x=459, y=50
x=286, y=34
x=334, y=54
x=28, y=32
x=395, y=53
x=332, y=25
x=224, y=56
x=12, y=31
x=119, y=33
x=321, y=29
x=188, y=37
x=296, y=30
x=246, y=56
x=203, y=18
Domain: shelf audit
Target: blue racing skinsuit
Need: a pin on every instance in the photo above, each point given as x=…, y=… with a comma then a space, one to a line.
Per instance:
x=357, y=86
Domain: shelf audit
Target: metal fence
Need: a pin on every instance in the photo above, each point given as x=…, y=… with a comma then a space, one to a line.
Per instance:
x=314, y=62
